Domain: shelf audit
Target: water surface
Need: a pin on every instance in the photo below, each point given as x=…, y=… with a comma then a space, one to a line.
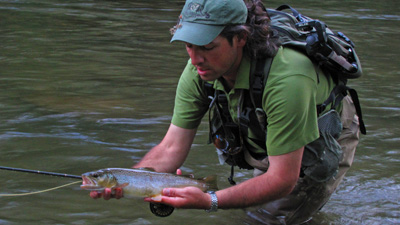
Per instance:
x=90, y=84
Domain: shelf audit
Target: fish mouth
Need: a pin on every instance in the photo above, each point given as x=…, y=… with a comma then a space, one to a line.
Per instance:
x=89, y=184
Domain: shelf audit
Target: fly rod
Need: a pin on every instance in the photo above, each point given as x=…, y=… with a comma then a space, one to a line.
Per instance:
x=40, y=172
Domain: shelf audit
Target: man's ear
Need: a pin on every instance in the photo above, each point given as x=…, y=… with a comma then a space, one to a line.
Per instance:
x=241, y=39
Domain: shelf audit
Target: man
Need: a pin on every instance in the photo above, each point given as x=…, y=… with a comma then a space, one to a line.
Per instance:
x=224, y=39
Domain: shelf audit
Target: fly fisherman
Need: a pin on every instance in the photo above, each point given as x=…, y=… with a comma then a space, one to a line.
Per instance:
x=224, y=39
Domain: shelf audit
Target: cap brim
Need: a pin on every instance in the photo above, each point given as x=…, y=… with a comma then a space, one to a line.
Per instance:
x=196, y=34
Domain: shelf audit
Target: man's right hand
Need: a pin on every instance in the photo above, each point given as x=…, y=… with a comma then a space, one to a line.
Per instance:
x=107, y=194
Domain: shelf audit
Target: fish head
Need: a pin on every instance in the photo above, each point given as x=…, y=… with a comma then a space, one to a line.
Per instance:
x=98, y=180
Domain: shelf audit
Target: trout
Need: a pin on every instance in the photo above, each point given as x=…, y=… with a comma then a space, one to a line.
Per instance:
x=143, y=182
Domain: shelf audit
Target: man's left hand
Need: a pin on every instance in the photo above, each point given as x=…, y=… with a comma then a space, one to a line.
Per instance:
x=187, y=198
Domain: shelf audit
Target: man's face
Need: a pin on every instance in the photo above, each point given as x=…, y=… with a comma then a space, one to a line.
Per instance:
x=216, y=59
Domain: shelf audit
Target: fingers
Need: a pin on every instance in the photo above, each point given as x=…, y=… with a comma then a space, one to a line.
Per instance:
x=169, y=192
x=179, y=172
x=188, y=197
x=95, y=194
x=172, y=197
x=118, y=193
x=107, y=194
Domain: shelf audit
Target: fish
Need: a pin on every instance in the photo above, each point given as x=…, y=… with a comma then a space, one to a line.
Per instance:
x=142, y=182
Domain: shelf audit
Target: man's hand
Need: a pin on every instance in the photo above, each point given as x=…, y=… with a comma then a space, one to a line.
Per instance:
x=107, y=194
x=188, y=197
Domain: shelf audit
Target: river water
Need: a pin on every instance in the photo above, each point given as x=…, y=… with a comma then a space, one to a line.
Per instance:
x=88, y=84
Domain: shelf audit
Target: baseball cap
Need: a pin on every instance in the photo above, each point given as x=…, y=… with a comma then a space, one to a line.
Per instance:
x=201, y=21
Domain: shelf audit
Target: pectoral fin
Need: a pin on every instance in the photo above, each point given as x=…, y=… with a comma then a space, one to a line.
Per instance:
x=124, y=185
x=211, y=182
x=156, y=198
x=121, y=186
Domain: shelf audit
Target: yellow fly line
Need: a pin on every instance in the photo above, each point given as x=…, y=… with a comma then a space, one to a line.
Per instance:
x=38, y=192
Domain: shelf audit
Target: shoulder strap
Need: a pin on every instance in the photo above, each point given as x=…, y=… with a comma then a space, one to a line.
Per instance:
x=295, y=13
x=356, y=101
x=258, y=79
x=337, y=95
x=209, y=90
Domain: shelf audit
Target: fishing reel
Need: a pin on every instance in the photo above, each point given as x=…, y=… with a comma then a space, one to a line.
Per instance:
x=161, y=210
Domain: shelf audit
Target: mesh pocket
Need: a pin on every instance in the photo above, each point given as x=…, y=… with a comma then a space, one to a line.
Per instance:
x=330, y=123
x=321, y=157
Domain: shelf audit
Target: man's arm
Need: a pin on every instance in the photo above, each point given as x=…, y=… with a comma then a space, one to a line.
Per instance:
x=276, y=183
x=171, y=153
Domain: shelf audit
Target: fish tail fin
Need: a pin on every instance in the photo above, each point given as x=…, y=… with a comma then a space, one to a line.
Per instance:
x=211, y=182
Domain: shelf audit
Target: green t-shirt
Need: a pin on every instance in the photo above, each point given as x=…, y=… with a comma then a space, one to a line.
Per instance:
x=289, y=99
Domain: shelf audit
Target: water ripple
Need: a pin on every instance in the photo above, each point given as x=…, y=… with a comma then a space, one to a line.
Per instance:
x=131, y=121
x=365, y=17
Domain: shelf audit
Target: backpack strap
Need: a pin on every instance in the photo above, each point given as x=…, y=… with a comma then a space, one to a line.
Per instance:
x=295, y=13
x=258, y=79
x=209, y=91
x=337, y=95
x=356, y=101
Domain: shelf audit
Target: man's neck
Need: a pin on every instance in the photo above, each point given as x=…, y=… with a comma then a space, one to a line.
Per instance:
x=230, y=77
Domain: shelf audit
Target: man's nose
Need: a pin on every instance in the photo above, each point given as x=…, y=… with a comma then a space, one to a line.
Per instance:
x=196, y=56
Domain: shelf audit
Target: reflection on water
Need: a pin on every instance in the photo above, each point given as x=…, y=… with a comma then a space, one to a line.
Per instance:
x=90, y=84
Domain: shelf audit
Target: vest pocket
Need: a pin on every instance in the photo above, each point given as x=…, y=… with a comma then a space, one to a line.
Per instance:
x=321, y=157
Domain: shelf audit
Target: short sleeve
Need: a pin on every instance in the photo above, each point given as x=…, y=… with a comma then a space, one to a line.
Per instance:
x=289, y=100
x=190, y=100
x=291, y=115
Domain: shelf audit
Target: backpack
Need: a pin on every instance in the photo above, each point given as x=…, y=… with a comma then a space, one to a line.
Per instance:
x=333, y=52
